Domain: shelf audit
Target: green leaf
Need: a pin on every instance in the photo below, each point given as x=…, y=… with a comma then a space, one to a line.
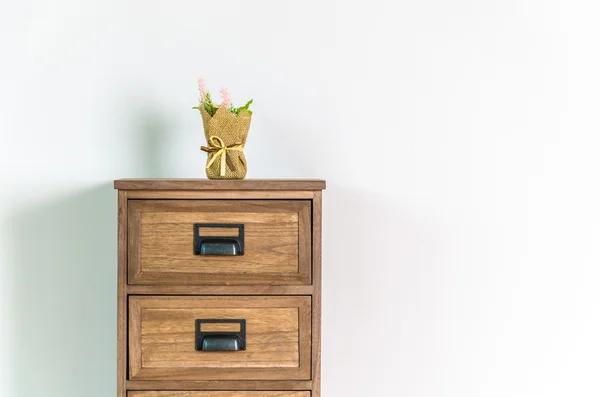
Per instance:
x=237, y=111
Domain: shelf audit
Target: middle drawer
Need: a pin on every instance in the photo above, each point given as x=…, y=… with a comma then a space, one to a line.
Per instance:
x=219, y=337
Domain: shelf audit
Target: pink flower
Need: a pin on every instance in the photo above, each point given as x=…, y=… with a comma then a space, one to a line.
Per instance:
x=201, y=89
x=226, y=100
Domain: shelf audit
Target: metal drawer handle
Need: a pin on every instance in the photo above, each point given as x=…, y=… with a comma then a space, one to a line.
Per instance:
x=219, y=245
x=220, y=341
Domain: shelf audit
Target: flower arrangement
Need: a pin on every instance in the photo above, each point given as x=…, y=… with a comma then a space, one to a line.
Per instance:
x=205, y=101
x=226, y=129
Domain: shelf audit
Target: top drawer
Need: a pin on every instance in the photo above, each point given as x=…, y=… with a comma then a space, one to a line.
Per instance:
x=179, y=242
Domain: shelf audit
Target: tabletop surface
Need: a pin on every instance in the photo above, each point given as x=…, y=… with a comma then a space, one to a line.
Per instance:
x=211, y=184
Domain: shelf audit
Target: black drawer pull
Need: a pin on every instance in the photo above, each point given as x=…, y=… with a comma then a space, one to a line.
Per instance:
x=220, y=341
x=219, y=245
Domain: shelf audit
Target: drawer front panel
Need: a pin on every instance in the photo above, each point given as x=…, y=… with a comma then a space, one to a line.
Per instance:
x=219, y=242
x=218, y=394
x=165, y=342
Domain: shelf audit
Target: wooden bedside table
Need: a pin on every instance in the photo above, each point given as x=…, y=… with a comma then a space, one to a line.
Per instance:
x=219, y=288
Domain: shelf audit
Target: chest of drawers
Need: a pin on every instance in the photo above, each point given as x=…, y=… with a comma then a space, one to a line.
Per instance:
x=219, y=288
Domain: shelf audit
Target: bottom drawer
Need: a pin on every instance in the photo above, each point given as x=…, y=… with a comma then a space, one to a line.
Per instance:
x=218, y=394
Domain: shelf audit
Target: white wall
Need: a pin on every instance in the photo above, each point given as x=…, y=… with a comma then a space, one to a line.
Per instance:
x=459, y=140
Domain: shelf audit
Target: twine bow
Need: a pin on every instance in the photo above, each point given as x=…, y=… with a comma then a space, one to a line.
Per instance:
x=218, y=148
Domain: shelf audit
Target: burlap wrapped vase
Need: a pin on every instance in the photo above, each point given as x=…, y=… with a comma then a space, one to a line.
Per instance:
x=226, y=135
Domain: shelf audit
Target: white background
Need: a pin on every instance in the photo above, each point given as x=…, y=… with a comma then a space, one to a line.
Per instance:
x=459, y=141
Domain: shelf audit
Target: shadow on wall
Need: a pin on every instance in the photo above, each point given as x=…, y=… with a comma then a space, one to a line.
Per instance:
x=64, y=264
x=153, y=139
x=64, y=271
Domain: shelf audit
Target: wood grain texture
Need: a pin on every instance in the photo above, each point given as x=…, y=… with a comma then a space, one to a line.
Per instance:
x=208, y=184
x=121, y=294
x=222, y=194
x=162, y=338
x=219, y=385
x=276, y=242
x=219, y=394
x=219, y=289
x=316, y=299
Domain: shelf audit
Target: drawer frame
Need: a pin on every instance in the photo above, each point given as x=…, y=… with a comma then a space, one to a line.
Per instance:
x=223, y=303
x=140, y=189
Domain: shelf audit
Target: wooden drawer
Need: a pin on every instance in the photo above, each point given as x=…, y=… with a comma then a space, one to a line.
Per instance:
x=218, y=394
x=276, y=242
x=163, y=338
